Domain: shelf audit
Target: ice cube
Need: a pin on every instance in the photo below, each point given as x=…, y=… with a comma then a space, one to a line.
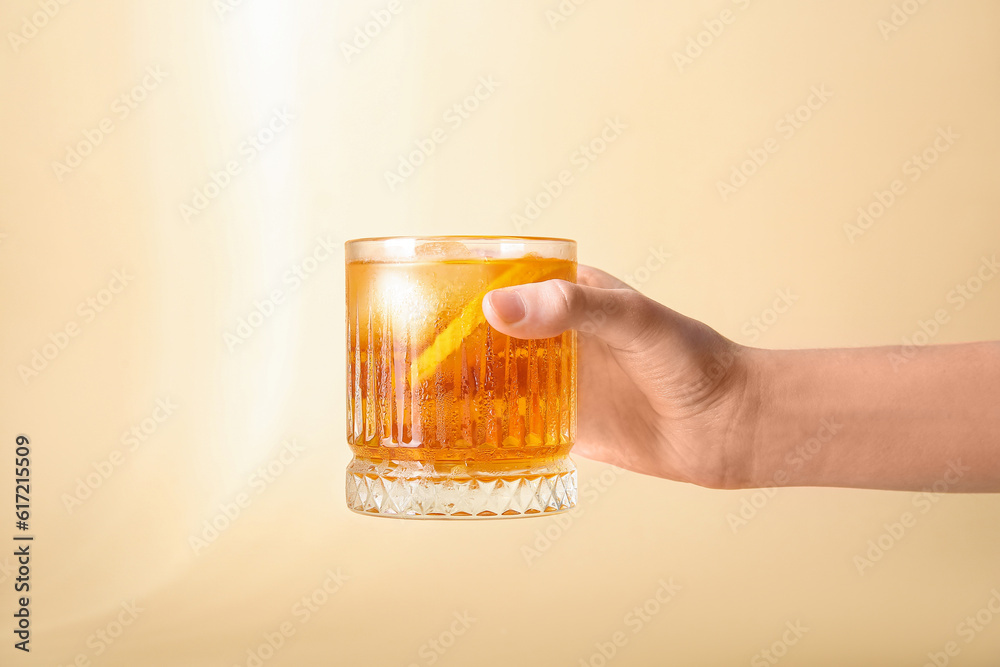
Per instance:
x=438, y=250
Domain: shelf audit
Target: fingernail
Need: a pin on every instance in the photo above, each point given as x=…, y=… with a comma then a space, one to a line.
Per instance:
x=508, y=304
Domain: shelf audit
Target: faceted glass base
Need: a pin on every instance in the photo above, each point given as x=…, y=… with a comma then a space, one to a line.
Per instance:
x=411, y=490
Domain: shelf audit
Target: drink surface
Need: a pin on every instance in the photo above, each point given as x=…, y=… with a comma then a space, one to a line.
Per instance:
x=430, y=381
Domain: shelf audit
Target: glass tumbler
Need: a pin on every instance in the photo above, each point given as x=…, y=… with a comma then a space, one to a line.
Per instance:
x=447, y=417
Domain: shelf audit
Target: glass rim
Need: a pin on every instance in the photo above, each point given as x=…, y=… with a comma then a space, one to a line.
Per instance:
x=394, y=249
x=462, y=238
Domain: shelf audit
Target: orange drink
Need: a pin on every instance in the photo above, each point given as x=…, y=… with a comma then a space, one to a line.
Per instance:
x=446, y=416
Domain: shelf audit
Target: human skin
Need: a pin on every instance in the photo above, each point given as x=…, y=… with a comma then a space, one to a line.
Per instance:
x=663, y=394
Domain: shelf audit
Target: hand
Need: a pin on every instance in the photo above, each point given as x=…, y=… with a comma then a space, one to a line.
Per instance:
x=659, y=393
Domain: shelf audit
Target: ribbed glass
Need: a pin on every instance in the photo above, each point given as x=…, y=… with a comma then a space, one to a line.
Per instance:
x=442, y=408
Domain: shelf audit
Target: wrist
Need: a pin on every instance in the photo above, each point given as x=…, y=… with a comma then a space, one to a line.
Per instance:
x=747, y=462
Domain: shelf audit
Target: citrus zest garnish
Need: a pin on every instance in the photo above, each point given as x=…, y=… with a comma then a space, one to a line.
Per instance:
x=448, y=341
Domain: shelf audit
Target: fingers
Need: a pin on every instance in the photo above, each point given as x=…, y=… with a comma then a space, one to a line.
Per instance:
x=618, y=315
x=588, y=275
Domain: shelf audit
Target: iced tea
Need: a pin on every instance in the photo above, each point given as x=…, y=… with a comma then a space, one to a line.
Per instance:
x=447, y=416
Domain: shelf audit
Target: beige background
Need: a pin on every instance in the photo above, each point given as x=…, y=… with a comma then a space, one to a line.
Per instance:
x=322, y=177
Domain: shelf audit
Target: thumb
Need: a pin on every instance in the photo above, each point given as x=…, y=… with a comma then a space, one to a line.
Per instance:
x=620, y=317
